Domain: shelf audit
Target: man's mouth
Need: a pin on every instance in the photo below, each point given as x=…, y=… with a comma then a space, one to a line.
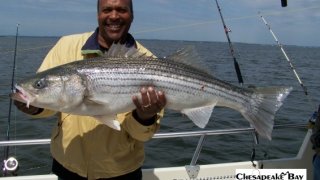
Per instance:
x=114, y=27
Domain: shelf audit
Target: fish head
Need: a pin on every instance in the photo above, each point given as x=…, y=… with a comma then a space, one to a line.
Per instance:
x=50, y=91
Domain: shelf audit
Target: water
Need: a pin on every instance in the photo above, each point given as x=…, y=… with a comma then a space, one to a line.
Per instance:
x=261, y=65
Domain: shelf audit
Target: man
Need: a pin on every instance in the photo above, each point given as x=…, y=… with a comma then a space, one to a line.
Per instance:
x=82, y=147
x=315, y=139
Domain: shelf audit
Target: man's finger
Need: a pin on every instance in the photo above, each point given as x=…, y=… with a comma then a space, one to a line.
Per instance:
x=136, y=102
x=162, y=101
x=153, y=95
x=144, y=97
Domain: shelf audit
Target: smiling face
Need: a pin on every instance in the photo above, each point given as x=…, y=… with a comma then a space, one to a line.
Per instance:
x=114, y=19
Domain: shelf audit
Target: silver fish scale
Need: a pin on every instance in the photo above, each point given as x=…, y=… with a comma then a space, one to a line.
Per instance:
x=103, y=87
x=127, y=75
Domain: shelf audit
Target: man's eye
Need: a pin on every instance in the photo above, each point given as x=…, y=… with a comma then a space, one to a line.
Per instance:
x=122, y=10
x=107, y=10
x=39, y=84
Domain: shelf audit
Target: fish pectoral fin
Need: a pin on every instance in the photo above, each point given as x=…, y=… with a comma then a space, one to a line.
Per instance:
x=199, y=115
x=107, y=120
x=95, y=100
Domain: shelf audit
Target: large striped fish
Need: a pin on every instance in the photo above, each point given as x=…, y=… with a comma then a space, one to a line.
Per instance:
x=102, y=87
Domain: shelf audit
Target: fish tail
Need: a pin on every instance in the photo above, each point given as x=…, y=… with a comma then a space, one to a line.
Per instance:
x=265, y=102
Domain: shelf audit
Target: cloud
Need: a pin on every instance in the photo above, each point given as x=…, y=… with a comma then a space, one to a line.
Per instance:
x=172, y=19
x=83, y=6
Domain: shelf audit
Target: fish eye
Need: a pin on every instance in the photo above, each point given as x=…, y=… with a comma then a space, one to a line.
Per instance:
x=39, y=84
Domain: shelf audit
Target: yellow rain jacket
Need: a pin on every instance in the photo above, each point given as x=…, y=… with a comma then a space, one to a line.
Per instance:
x=82, y=144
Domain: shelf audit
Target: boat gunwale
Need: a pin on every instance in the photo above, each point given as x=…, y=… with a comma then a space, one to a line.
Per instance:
x=164, y=134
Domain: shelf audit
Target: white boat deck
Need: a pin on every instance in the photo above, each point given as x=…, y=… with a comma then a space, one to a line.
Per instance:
x=303, y=160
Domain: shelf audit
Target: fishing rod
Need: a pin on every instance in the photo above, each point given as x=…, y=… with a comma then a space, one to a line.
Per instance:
x=226, y=31
x=313, y=117
x=255, y=136
x=304, y=88
x=11, y=164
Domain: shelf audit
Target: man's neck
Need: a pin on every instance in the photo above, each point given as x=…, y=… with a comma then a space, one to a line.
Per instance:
x=107, y=43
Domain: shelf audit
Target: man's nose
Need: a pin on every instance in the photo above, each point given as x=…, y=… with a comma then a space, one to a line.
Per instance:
x=114, y=14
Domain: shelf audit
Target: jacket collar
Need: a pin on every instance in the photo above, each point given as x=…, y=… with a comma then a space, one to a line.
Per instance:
x=92, y=46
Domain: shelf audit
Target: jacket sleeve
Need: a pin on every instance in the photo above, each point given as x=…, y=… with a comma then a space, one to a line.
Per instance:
x=135, y=129
x=47, y=63
x=54, y=58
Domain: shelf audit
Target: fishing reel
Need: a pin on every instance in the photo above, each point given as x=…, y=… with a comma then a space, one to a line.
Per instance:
x=284, y=3
x=10, y=165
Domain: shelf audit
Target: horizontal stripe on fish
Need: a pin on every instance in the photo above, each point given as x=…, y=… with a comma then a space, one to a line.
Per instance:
x=104, y=86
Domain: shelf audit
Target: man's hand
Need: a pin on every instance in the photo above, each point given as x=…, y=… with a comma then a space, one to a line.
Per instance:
x=151, y=103
x=23, y=107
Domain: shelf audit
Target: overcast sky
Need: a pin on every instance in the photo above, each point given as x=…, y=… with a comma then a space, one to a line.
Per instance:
x=196, y=20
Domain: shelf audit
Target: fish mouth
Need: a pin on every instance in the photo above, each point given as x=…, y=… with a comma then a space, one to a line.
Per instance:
x=19, y=94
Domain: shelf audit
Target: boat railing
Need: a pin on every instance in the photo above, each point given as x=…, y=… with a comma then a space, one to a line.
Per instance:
x=192, y=169
x=201, y=133
x=162, y=135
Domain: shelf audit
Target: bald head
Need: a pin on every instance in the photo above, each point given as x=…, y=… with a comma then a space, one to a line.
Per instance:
x=130, y=1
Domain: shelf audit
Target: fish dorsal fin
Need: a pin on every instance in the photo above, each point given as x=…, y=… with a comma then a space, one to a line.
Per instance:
x=121, y=50
x=189, y=56
x=199, y=115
